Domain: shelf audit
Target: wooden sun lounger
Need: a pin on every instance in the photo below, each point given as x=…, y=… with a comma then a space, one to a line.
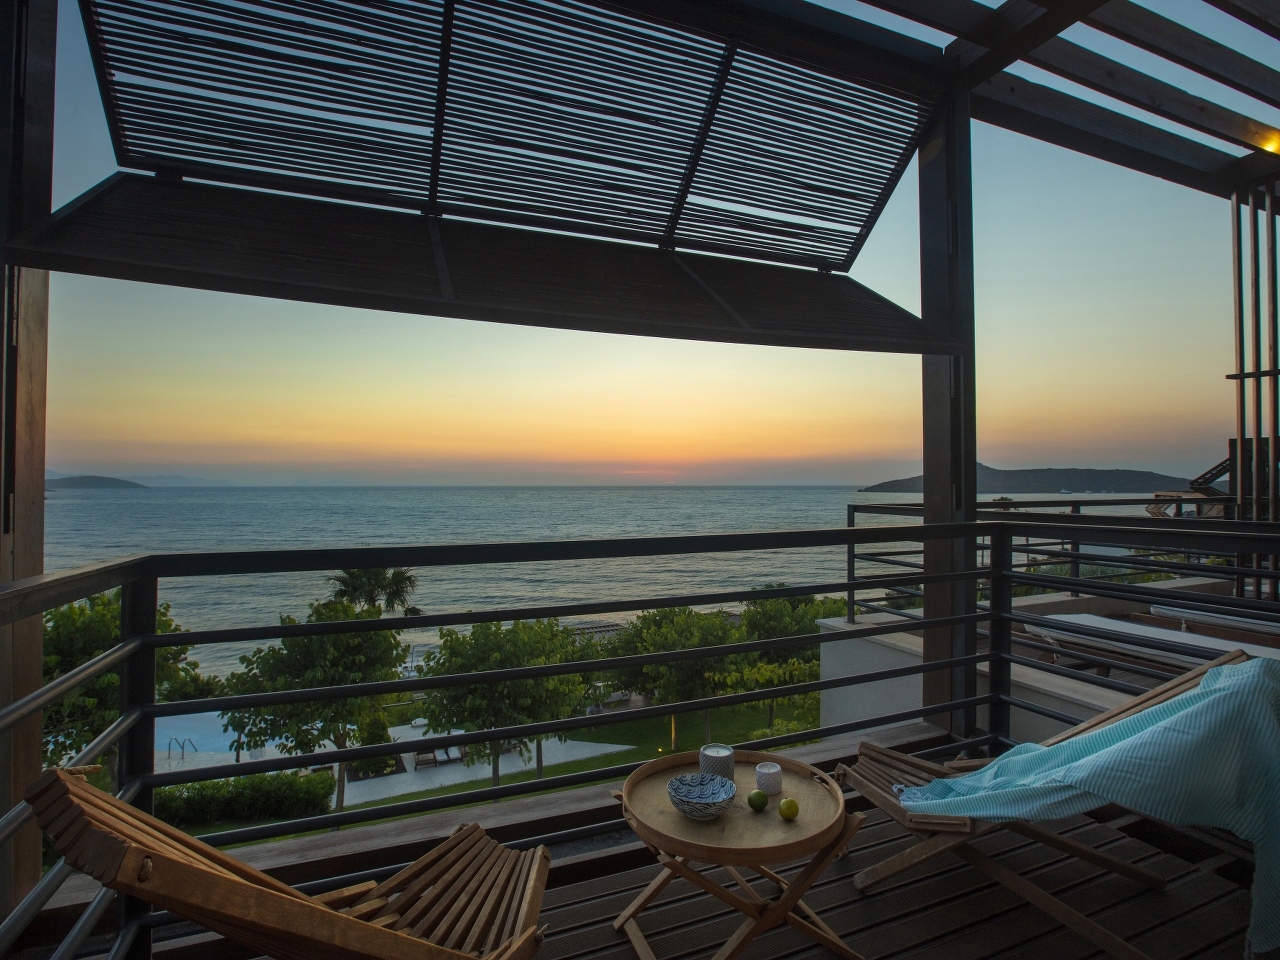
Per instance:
x=878, y=770
x=469, y=897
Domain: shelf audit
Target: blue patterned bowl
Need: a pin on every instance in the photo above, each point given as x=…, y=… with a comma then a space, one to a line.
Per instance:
x=701, y=796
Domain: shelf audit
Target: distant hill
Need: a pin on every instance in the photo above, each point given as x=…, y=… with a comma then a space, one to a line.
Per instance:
x=1050, y=480
x=90, y=483
x=171, y=480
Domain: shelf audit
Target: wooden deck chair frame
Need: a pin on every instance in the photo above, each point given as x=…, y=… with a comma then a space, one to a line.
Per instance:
x=468, y=897
x=878, y=770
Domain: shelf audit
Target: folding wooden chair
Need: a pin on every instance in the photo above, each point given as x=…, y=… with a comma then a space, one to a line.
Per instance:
x=878, y=770
x=469, y=897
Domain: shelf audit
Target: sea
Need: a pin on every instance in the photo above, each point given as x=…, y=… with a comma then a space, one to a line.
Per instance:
x=88, y=526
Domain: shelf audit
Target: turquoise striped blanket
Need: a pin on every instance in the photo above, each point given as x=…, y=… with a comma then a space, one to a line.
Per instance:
x=1209, y=757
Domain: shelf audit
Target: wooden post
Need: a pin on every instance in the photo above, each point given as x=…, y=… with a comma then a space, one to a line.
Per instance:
x=950, y=451
x=27, y=45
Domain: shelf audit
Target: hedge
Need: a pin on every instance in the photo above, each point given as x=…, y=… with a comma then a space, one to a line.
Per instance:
x=259, y=796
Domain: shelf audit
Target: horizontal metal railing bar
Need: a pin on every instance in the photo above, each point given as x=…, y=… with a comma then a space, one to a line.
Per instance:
x=19, y=710
x=18, y=817
x=426, y=805
x=1208, y=536
x=956, y=747
x=854, y=726
x=1115, y=636
x=84, y=926
x=910, y=509
x=1095, y=681
x=1221, y=571
x=1043, y=711
x=529, y=551
x=1262, y=610
x=392, y=810
x=32, y=904
x=468, y=617
x=1094, y=659
x=524, y=731
x=890, y=561
x=345, y=691
x=32, y=596
x=904, y=614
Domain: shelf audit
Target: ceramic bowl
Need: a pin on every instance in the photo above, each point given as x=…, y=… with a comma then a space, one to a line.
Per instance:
x=701, y=796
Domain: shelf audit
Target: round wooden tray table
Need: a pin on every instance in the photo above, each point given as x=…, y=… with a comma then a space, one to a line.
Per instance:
x=740, y=837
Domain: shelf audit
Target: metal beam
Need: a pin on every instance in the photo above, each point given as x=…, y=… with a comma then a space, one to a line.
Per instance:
x=1137, y=25
x=977, y=25
x=1138, y=89
x=699, y=143
x=1018, y=28
x=1262, y=15
x=1055, y=117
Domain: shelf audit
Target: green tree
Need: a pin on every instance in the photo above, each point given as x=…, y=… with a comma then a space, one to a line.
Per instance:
x=316, y=661
x=507, y=703
x=78, y=632
x=679, y=628
x=762, y=675
x=387, y=587
x=789, y=617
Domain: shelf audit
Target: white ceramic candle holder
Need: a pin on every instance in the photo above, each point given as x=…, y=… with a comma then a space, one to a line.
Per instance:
x=769, y=777
x=716, y=758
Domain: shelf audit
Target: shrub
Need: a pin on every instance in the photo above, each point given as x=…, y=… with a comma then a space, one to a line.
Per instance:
x=259, y=796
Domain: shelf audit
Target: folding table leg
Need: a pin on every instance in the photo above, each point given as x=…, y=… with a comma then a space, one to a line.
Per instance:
x=655, y=887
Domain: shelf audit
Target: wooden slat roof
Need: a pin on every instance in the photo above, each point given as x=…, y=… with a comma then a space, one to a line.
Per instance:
x=557, y=113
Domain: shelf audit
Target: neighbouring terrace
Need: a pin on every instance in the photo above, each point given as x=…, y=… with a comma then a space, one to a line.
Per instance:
x=690, y=170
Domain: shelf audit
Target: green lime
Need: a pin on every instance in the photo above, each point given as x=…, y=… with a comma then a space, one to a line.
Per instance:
x=757, y=800
x=788, y=809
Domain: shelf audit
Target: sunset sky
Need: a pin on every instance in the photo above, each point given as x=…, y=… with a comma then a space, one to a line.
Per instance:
x=1104, y=332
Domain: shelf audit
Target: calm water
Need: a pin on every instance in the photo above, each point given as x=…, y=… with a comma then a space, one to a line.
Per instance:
x=85, y=526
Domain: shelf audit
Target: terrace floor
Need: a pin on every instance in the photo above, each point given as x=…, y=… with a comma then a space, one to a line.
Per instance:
x=943, y=909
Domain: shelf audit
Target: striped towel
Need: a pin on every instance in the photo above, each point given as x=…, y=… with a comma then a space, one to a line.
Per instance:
x=1209, y=757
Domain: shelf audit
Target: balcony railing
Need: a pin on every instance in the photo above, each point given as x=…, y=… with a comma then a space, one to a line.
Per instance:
x=996, y=540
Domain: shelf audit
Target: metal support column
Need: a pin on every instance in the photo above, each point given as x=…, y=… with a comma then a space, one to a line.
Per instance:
x=851, y=565
x=1000, y=631
x=137, y=750
x=950, y=451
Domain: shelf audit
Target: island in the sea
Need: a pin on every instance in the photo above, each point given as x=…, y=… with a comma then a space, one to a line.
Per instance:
x=90, y=483
x=1051, y=480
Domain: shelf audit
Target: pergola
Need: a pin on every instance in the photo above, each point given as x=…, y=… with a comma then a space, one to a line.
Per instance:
x=694, y=169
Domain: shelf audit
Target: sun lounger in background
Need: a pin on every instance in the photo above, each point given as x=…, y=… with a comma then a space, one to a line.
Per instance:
x=468, y=897
x=878, y=770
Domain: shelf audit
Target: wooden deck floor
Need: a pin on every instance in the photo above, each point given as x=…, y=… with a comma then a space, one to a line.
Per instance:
x=943, y=909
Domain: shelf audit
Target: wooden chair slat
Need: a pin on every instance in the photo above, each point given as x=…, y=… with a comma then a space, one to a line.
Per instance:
x=446, y=881
x=513, y=915
x=409, y=898
x=497, y=938
x=464, y=928
x=461, y=834
x=344, y=897
x=428, y=921
x=531, y=902
x=453, y=929
x=497, y=897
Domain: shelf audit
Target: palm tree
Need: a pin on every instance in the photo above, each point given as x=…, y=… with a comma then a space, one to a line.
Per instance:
x=387, y=587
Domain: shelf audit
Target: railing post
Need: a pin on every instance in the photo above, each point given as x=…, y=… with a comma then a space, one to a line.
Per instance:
x=138, y=603
x=1075, y=549
x=1000, y=631
x=850, y=570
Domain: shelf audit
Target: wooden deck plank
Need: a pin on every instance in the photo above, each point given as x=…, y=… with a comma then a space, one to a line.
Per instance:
x=943, y=910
